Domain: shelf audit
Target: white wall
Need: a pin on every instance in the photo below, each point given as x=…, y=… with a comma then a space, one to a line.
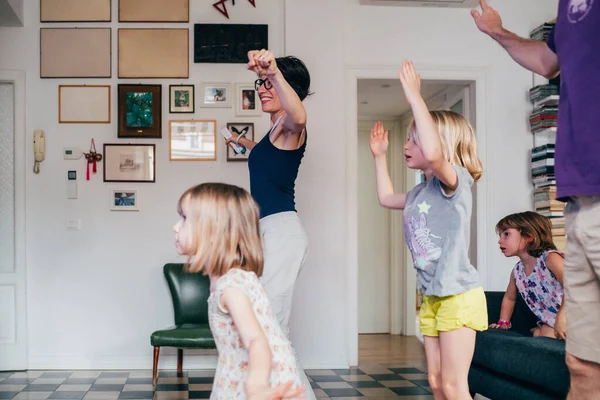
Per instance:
x=17, y=5
x=433, y=37
x=95, y=296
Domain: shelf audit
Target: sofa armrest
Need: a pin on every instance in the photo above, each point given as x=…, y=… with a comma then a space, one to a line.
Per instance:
x=523, y=320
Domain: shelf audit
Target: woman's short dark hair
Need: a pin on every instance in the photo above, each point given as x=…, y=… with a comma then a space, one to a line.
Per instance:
x=296, y=74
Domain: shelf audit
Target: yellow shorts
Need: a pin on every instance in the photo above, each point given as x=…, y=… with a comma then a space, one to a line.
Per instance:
x=443, y=314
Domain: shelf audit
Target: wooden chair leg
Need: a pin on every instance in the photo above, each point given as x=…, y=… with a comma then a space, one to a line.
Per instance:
x=155, y=367
x=179, y=362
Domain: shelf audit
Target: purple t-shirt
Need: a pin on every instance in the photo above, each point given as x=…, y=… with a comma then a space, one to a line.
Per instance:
x=576, y=41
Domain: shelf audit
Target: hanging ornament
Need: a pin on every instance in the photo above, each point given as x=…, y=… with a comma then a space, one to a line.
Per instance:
x=92, y=157
x=220, y=5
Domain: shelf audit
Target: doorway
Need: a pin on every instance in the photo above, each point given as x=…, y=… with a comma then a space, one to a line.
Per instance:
x=13, y=337
x=382, y=282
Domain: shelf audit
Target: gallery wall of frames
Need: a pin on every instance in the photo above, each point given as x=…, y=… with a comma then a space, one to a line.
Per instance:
x=75, y=46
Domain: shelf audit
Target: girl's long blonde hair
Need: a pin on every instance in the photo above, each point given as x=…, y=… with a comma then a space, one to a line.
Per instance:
x=225, y=228
x=459, y=144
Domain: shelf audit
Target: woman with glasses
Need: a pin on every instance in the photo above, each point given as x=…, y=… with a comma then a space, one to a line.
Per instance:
x=273, y=163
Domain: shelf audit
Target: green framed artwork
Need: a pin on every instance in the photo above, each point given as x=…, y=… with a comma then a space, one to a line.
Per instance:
x=181, y=99
x=140, y=111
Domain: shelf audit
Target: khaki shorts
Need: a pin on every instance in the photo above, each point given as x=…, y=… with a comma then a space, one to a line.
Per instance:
x=582, y=277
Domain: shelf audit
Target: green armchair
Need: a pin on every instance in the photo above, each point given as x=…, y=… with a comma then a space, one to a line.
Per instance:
x=189, y=292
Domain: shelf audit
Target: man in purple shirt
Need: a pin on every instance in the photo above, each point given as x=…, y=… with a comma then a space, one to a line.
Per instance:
x=573, y=49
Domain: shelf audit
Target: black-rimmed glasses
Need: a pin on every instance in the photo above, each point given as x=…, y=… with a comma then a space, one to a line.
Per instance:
x=259, y=82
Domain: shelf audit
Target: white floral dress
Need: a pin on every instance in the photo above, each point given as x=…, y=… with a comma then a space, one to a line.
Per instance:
x=232, y=366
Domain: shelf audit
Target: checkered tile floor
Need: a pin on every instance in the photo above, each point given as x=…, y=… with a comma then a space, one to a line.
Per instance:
x=366, y=382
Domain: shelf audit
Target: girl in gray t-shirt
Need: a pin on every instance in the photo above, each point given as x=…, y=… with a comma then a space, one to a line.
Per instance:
x=437, y=216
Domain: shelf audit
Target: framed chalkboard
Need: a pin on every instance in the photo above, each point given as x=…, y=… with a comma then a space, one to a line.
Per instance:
x=228, y=43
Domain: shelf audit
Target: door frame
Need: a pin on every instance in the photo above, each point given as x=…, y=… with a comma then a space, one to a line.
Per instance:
x=451, y=74
x=18, y=279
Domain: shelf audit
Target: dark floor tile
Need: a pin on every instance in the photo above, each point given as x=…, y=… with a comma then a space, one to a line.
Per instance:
x=343, y=393
x=171, y=374
x=421, y=382
x=79, y=381
x=406, y=370
x=327, y=378
x=315, y=385
x=7, y=395
x=65, y=394
x=201, y=379
x=365, y=384
x=139, y=381
x=17, y=381
x=136, y=395
x=50, y=387
x=199, y=394
x=106, y=388
x=386, y=377
x=171, y=387
x=351, y=371
x=57, y=374
x=105, y=375
x=409, y=391
x=5, y=374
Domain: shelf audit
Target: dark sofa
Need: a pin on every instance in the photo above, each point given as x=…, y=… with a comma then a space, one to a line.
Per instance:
x=514, y=365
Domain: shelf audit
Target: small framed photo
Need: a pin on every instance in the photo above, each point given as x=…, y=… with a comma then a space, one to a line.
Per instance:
x=216, y=95
x=129, y=162
x=238, y=128
x=247, y=101
x=181, y=99
x=124, y=200
x=193, y=140
x=140, y=111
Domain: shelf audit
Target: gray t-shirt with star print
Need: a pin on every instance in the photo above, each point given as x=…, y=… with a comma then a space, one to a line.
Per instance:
x=437, y=227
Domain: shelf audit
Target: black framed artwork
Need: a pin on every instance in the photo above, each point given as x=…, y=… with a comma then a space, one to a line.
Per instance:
x=139, y=110
x=228, y=43
x=239, y=128
x=181, y=99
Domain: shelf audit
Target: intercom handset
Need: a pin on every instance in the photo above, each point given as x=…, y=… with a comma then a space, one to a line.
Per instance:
x=39, y=149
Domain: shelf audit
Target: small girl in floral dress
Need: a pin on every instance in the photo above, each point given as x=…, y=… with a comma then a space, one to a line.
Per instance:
x=219, y=231
x=538, y=275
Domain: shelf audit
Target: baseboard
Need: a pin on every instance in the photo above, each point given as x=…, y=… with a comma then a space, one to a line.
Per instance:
x=192, y=361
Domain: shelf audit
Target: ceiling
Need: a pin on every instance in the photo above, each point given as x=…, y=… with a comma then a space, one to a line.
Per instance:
x=385, y=97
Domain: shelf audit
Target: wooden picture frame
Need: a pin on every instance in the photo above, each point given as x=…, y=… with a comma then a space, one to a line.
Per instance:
x=247, y=103
x=215, y=95
x=75, y=11
x=127, y=162
x=124, y=200
x=182, y=99
x=84, y=104
x=75, y=53
x=238, y=127
x=193, y=140
x=160, y=53
x=167, y=11
x=140, y=111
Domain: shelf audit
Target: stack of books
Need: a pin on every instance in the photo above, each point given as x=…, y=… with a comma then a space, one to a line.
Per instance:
x=539, y=93
x=541, y=32
x=542, y=166
x=543, y=117
x=547, y=205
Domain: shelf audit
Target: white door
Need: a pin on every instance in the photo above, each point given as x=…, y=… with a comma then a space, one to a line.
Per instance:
x=374, y=260
x=13, y=337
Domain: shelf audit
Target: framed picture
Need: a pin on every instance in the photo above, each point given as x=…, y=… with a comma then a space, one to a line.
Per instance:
x=193, y=140
x=154, y=10
x=129, y=162
x=124, y=200
x=75, y=11
x=215, y=95
x=181, y=99
x=239, y=127
x=247, y=101
x=84, y=104
x=140, y=111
